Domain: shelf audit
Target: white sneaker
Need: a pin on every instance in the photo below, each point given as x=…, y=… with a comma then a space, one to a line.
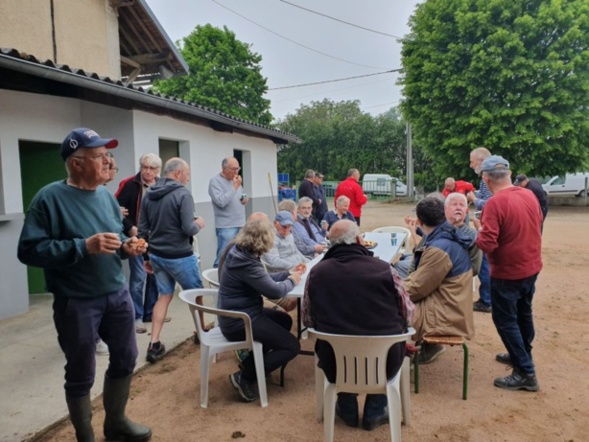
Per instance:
x=140, y=326
x=101, y=347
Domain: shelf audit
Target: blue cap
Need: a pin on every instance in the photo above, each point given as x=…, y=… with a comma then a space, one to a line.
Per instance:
x=284, y=218
x=494, y=162
x=84, y=137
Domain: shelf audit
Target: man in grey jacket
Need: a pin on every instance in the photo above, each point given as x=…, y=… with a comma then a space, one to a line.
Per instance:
x=284, y=254
x=168, y=223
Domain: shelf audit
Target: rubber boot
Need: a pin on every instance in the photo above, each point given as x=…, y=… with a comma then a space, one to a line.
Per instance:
x=81, y=416
x=116, y=425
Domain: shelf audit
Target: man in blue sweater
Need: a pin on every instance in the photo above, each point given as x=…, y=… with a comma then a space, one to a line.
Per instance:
x=73, y=230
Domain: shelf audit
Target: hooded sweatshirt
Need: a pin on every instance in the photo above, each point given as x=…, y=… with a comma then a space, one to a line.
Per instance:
x=167, y=219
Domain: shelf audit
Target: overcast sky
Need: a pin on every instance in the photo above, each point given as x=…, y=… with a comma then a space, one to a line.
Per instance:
x=285, y=63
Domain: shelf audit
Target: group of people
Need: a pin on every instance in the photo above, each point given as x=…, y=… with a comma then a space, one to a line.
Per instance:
x=79, y=234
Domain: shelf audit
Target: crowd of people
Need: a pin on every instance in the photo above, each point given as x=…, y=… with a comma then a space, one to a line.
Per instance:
x=79, y=234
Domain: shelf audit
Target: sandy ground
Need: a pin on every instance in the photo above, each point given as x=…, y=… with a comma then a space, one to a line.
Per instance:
x=166, y=395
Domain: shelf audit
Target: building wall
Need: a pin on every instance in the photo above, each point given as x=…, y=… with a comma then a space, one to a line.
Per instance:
x=26, y=116
x=86, y=32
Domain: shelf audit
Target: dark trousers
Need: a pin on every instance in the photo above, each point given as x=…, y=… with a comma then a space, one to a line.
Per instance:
x=512, y=315
x=79, y=321
x=272, y=329
x=485, y=281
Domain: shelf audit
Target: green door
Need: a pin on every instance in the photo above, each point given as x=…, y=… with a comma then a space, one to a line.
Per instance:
x=40, y=164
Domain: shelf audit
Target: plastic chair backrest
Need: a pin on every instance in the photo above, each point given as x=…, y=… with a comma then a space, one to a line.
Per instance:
x=407, y=244
x=212, y=277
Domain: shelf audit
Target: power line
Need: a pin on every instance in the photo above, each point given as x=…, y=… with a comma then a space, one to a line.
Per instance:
x=342, y=21
x=295, y=42
x=334, y=80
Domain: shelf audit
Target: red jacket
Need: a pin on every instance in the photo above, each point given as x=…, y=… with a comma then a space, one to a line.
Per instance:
x=462, y=187
x=350, y=188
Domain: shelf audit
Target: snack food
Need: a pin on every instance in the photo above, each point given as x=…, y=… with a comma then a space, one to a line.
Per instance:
x=140, y=243
x=370, y=244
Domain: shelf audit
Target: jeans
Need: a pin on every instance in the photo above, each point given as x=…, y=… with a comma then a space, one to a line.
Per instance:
x=512, y=315
x=272, y=329
x=79, y=321
x=485, y=280
x=374, y=406
x=138, y=279
x=223, y=237
x=168, y=272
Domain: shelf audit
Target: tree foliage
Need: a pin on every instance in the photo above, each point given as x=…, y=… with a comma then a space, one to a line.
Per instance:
x=339, y=136
x=224, y=75
x=511, y=75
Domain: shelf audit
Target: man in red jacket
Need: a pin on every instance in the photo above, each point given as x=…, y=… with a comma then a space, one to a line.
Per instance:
x=460, y=186
x=350, y=188
x=511, y=237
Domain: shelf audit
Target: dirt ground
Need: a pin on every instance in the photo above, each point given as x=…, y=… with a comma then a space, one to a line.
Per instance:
x=166, y=395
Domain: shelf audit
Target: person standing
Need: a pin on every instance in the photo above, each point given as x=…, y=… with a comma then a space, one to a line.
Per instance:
x=168, y=223
x=511, y=227
x=351, y=189
x=229, y=201
x=537, y=189
x=307, y=187
x=321, y=209
x=129, y=195
x=73, y=230
x=352, y=292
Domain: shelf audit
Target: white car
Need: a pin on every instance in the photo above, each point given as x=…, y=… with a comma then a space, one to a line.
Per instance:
x=572, y=184
x=380, y=184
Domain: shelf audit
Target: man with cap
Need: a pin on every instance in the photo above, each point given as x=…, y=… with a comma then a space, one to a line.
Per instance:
x=284, y=255
x=536, y=188
x=510, y=236
x=73, y=230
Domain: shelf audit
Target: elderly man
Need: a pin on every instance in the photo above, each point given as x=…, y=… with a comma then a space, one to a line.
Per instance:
x=536, y=188
x=460, y=186
x=350, y=188
x=306, y=188
x=284, y=255
x=342, y=204
x=511, y=227
x=441, y=285
x=167, y=221
x=73, y=230
x=320, y=209
x=229, y=200
x=352, y=292
x=129, y=195
x=309, y=237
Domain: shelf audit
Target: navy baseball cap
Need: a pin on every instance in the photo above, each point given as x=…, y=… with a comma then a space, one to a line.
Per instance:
x=84, y=137
x=494, y=162
x=284, y=218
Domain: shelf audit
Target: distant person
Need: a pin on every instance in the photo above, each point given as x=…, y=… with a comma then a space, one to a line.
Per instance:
x=168, y=223
x=229, y=201
x=511, y=227
x=307, y=187
x=342, y=204
x=320, y=209
x=129, y=195
x=73, y=230
x=351, y=189
x=441, y=285
x=284, y=254
x=352, y=292
x=460, y=186
x=537, y=189
x=309, y=236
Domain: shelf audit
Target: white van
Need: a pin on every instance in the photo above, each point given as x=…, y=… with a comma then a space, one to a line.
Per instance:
x=572, y=184
x=380, y=184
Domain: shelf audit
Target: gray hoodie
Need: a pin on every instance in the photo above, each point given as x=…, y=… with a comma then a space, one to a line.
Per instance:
x=167, y=219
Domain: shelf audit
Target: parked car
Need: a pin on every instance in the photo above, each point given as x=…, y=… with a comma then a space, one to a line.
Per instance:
x=572, y=184
x=380, y=184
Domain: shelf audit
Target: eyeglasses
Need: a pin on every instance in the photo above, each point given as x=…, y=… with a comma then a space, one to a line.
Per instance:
x=100, y=157
x=152, y=168
x=233, y=169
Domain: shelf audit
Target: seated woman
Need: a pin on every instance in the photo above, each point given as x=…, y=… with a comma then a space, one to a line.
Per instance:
x=340, y=212
x=242, y=281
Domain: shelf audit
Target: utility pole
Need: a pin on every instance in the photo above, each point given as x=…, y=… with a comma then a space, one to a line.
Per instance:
x=410, y=183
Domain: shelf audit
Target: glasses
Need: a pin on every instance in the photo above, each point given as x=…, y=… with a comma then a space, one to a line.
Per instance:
x=100, y=157
x=233, y=169
x=152, y=168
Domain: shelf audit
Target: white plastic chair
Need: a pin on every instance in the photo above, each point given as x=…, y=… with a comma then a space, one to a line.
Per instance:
x=361, y=368
x=211, y=276
x=398, y=229
x=213, y=342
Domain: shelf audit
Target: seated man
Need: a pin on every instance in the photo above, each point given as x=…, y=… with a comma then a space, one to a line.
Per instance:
x=341, y=211
x=441, y=285
x=352, y=292
x=309, y=237
x=284, y=254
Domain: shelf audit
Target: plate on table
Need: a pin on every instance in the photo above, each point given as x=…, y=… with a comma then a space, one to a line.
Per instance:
x=370, y=244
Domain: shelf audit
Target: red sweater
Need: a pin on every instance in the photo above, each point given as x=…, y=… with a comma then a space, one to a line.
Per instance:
x=460, y=186
x=350, y=188
x=511, y=234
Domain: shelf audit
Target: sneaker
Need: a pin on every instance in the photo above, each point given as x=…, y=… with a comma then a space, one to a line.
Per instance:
x=480, y=306
x=242, y=354
x=155, y=351
x=101, y=347
x=140, y=326
x=429, y=353
x=504, y=358
x=370, y=424
x=247, y=390
x=518, y=380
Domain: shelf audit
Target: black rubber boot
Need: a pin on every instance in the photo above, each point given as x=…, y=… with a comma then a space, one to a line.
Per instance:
x=81, y=416
x=116, y=425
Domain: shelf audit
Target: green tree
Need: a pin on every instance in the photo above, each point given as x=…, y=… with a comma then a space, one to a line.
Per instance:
x=511, y=75
x=224, y=75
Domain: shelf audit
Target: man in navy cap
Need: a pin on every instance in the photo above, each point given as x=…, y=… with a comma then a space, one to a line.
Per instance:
x=511, y=237
x=73, y=231
x=284, y=254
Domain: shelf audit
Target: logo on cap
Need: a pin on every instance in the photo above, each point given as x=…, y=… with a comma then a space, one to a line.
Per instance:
x=73, y=143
